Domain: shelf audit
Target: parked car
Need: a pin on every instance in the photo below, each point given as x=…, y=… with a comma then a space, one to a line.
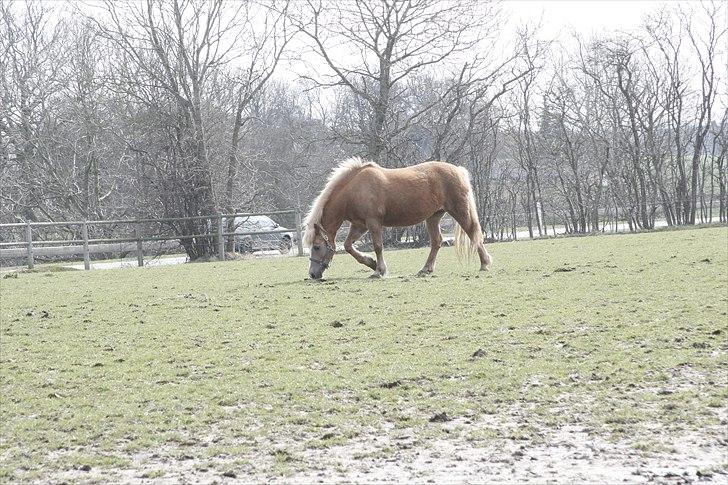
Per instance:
x=248, y=243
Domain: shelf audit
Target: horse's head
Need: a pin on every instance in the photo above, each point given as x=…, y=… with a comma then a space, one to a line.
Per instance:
x=322, y=251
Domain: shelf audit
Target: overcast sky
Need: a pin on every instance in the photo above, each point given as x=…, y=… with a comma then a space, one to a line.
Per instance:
x=585, y=16
x=558, y=20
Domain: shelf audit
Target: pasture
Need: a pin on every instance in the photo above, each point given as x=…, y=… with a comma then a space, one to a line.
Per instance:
x=575, y=358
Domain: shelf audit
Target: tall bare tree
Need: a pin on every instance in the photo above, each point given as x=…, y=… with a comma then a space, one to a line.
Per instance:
x=172, y=55
x=374, y=48
x=705, y=44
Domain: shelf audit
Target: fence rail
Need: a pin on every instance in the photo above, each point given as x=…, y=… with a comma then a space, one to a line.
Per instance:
x=29, y=247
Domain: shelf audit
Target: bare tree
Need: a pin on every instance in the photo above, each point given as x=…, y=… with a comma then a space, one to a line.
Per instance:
x=719, y=154
x=170, y=55
x=704, y=50
x=31, y=58
x=392, y=42
x=264, y=50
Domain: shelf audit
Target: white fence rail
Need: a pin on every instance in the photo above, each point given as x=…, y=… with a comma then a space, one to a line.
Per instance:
x=29, y=247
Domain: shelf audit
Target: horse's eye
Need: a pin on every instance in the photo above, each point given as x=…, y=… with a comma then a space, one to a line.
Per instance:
x=316, y=248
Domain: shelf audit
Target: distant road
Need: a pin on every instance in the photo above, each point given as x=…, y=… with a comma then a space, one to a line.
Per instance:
x=131, y=263
x=164, y=261
x=621, y=227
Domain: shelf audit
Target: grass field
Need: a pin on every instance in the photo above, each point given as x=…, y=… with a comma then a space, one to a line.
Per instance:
x=574, y=358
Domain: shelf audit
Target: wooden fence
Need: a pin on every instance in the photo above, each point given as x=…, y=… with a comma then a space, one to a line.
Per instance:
x=28, y=246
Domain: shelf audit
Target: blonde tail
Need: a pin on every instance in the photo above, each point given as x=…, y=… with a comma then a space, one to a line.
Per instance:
x=464, y=246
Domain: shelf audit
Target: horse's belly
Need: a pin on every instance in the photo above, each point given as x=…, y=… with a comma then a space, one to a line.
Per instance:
x=400, y=215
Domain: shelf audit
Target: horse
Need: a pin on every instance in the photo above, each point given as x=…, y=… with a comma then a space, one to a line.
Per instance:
x=372, y=197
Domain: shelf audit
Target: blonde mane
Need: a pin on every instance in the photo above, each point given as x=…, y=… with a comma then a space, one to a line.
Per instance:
x=317, y=208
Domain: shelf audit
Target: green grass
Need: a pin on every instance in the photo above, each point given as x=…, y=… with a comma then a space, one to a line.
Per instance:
x=238, y=364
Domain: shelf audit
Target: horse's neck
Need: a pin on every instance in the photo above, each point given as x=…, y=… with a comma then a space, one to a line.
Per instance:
x=333, y=213
x=331, y=222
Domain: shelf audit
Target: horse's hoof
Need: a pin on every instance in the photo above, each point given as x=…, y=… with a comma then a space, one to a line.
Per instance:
x=376, y=275
x=485, y=268
x=424, y=272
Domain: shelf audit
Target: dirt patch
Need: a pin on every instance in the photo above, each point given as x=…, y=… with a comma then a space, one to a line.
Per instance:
x=564, y=454
x=569, y=454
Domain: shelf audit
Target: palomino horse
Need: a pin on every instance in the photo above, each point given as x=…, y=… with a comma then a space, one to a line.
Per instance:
x=371, y=197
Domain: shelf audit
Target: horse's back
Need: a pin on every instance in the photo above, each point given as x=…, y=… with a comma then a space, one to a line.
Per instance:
x=433, y=168
x=403, y=196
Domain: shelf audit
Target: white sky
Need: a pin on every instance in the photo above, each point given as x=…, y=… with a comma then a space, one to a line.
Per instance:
x=559, y=17
x=558, y=20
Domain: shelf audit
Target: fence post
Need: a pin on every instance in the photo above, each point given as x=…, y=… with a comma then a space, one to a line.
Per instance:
x=139, y=246
x=298, y=234
x=29, y=237
x=220, y=240
x=86, y=255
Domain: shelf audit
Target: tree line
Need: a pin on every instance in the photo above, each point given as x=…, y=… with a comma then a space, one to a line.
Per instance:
x=181, y=108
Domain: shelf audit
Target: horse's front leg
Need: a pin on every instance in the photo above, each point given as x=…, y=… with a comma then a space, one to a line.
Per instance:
x=355, y=232
x=375, y=229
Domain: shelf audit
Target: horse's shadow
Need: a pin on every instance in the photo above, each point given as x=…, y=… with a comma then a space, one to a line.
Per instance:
x=322, y=282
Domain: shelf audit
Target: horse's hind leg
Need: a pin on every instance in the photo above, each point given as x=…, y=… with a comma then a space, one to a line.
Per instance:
x=471, y=226
x=375, y=230
x=433, y=228
x=485, y=258
x=355, y=232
